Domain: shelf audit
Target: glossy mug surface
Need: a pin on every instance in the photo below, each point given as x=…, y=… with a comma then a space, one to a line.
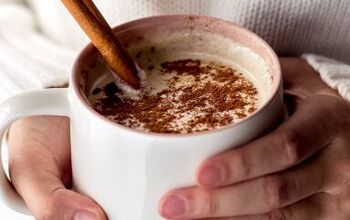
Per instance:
x=127, y=171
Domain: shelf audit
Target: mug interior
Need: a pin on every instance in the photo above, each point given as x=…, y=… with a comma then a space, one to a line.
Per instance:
x=90, y=65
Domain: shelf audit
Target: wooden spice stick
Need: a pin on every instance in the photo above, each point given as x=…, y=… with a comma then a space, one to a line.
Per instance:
x=101, y=34
x=94, y=10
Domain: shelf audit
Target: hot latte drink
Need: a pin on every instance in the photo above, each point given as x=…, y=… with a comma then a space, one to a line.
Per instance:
x=191, y=81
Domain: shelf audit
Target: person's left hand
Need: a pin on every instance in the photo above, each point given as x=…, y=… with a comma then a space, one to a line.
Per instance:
x=299, y=171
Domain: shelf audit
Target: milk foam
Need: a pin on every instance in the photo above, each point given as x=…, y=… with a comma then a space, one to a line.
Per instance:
x=157, y=48
x=195, y=45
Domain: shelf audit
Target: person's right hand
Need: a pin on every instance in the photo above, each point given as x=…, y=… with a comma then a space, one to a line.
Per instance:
x=40, y=170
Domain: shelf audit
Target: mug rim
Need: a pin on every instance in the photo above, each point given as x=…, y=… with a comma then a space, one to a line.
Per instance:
x=89, y=49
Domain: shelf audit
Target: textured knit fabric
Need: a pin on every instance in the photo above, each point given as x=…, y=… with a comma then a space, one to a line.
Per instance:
x=30, y=59
x=39, y=40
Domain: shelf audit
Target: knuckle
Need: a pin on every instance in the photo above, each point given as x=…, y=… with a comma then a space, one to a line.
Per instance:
x=291, y=144
x=211, y=204
x=275, y=191
x=342, y=206
x=208, y=205
x=46, y=214
x=50, y=208
x=343, y=171
x=277, y=214
x=335, y=102
x=242, y=168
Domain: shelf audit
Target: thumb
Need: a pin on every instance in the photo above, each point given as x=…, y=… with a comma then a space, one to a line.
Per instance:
x=41, y=178
x=65, y=204
x=46, y=195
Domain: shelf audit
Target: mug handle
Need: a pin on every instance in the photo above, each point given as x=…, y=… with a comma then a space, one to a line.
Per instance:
x=42, y=102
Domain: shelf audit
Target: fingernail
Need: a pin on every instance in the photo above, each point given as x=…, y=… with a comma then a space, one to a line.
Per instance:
x=84, y=215
x=212, y=175
x=174, y=206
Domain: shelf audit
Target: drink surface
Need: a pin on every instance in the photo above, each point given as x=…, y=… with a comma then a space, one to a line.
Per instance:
x=191, y=83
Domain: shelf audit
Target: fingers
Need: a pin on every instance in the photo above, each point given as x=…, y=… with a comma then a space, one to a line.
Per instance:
x=38, y=171
x=320, y=206
x=294, y=141
x=251, y=197
x=314, y=207
x=302, y=85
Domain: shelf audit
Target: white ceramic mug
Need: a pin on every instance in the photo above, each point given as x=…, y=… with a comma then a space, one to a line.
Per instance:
x=127, y=171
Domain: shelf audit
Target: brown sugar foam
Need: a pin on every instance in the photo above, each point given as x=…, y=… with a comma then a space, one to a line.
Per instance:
x=185, y=91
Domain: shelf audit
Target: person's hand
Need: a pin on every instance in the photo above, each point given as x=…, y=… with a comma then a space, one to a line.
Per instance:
x=41, y=172
x=300, y=171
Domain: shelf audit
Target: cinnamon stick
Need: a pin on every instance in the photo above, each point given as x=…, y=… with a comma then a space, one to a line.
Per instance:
x=101, y=34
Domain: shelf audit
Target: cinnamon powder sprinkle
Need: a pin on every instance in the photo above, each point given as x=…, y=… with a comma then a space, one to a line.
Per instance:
x=200, y=96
